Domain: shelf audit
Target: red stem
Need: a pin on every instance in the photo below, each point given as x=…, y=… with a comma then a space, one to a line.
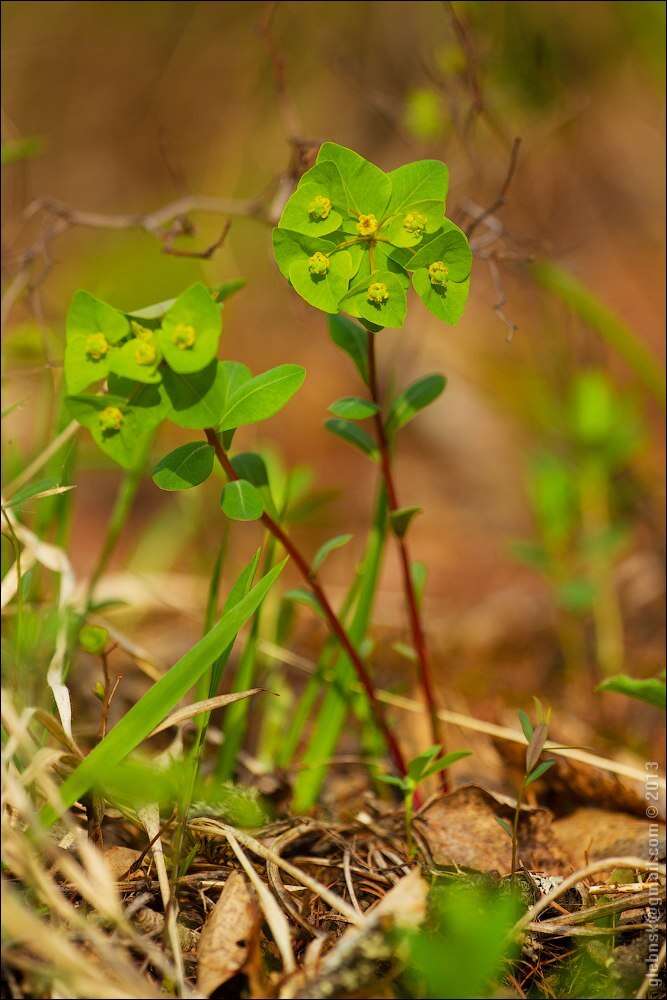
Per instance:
x=334, y=622
x=414, y=614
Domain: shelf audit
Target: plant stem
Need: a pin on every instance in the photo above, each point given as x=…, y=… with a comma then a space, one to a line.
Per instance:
x=310, y=578
x=414, y=613
x=515, y=828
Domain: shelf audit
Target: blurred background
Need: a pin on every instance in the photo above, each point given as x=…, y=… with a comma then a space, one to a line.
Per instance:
x=540, y=470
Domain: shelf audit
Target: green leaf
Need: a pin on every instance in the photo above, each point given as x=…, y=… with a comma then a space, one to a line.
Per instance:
x=323, y=291
x=418, y=573
x=354, y=408
x=351, y=338
x=185, y=467
x=223, y=292
x=197, y=400
x=299, y=595
x=123, y=443
x=241, y=501
x=252, y=467
x=354, y=435
x=391, y=779
x=423, y=180
x=149, y=402
x=418, y=395
x=415, y=225
x=419, y=763
x=651, y=690
x=367, y=188
x=452, y=247
x=15, y=150
x=541, y=769
x=504, y=825
x=446, y=303
x=93, y=328
x=301, y=215
x=401, y=518
x=191, y=330
x=154, y=706
x=137, y=359
x=31, y=490
x=262, y=396
x=405, y=651
x=389, y=311
x=526, y=725
x=445, y=761
x=289, y=247
x=576, y=595
x=329, y=547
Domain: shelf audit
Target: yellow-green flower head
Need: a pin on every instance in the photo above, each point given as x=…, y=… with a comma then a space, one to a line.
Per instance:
x=141, y=332
x=111, y=419
x=438, y=273
x=367, y=225
x=378, y=293
x=318, y=264
x=319, y=207
x=415, y=222
x=144, y=353
x=184, y=336
x=97, y=346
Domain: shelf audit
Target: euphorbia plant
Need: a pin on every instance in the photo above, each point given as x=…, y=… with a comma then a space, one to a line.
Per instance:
x=348, y=240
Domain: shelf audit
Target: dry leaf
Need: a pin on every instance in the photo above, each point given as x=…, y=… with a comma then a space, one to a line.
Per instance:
x=120, y=859
x=592, y=834
x=462, y=829
x=228, y=936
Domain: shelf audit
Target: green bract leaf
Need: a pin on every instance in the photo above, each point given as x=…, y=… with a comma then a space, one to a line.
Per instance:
x=137, y=359
x=651, y=690
x=185, y=467
x=149, y=402
x=380, y=299
x=190, y=330
x=197, y=399
x=451, y=247
x=400, y=519
x=262, y=396
x=328, y=548
x=92, y=328
x=289, y=247
x=353, y=434
x=353, y=408
x=367, y=188
x=446, y=303
x=351, y=338
x=322, y=280
x=314, y=209
x=241, y=501
x=423, y=180
x=418, y=395
x=411, y=227
x=116, y=427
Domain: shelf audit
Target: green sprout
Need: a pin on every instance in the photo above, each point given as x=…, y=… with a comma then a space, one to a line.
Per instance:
x=421, y=767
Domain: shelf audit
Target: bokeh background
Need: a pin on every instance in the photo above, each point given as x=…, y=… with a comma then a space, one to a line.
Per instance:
x=123, y=107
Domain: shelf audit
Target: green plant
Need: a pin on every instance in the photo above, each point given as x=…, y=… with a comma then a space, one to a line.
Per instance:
x=420, y=768
x=534, y=768
x=348, y=239
x=580, y=524
x=650, y=690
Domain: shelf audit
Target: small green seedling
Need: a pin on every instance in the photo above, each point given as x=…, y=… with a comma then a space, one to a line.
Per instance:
x=536, y=737
x=650, y=689
x=421, y=767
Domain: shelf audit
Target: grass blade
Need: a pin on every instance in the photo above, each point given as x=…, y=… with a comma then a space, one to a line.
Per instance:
x=159, y=700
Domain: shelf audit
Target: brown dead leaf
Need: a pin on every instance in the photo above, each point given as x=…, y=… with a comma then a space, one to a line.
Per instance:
x=592, y=834
x=463, y=829
x=229, y=936
x=120, y=859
